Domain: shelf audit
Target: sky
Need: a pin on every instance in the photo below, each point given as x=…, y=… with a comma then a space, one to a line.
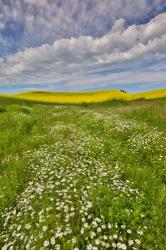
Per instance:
x=82, y=45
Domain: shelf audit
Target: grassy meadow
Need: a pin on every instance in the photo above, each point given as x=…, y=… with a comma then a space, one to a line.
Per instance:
x=87, y=176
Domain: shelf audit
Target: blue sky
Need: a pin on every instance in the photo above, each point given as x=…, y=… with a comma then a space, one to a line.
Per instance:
x=82, y=45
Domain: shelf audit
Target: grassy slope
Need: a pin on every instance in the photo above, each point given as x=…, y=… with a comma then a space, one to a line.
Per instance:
x=87, y=97
x=25, y=127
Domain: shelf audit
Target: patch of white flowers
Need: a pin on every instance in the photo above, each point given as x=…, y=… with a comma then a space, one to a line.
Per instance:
x=56, y=211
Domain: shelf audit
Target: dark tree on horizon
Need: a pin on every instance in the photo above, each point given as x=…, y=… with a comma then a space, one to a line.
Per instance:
x=123, y=91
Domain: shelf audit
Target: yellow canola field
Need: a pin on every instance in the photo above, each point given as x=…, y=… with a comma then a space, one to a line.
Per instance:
x=86, y=97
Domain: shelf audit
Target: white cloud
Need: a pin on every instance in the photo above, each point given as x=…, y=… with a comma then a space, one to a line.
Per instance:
x=118, y=25
x=74, y=57
x=148, y=79
x=43, y=21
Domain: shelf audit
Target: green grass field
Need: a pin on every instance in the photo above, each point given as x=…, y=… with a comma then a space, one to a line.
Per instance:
x=83, y=176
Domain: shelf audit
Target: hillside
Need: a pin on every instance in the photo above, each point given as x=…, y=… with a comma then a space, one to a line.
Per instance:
x=86, y=97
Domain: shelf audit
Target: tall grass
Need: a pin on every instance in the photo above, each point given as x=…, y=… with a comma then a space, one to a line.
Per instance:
x=82, y=176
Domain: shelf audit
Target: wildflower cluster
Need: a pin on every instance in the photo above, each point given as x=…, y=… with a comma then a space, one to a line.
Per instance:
x=78, y=196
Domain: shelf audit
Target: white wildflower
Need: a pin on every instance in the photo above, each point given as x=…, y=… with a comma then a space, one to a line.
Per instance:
x=46, y=243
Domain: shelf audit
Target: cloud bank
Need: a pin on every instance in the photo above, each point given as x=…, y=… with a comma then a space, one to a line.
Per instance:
x=30, y=23
x=73, y=58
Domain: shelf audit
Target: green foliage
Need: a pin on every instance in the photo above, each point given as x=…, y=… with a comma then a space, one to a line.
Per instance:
x=82, y=177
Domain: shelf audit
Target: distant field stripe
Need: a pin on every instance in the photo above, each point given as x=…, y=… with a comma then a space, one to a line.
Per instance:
x=86, y=97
